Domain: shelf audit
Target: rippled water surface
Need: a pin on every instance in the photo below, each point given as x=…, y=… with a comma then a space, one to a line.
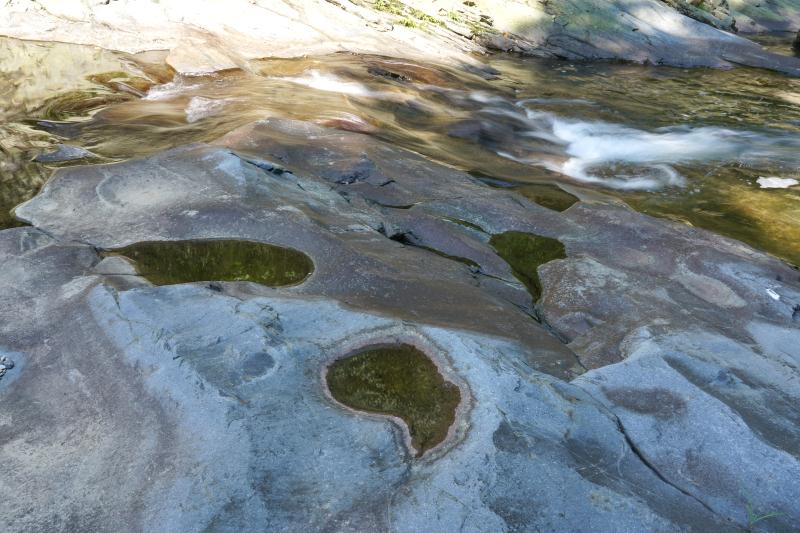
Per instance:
x=689, y=145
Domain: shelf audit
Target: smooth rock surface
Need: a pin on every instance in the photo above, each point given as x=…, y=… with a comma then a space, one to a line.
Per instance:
x=207, y=405
x=149, y=390
x=207, y=36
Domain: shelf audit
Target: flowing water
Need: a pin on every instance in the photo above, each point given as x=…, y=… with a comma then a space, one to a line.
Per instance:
x=711, y=148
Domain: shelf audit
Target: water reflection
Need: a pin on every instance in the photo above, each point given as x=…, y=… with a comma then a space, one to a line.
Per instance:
x=48, y=88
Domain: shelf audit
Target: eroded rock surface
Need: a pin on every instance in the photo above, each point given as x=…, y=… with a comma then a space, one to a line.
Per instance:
x=658, y=392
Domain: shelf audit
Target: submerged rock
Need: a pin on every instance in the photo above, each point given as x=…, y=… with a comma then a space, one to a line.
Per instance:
x=64, y=153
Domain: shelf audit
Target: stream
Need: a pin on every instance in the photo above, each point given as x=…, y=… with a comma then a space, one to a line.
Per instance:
x=711, y=148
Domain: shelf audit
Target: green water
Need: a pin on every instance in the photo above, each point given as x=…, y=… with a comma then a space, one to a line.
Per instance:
x=549, y=196
x=525, y=253
x=401, y=381
x=171, y=262
x=541, y=127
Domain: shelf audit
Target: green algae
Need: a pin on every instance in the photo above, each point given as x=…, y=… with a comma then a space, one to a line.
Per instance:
x=171, y=262
x=525, y=253
x=401, y=381
x=549, y=196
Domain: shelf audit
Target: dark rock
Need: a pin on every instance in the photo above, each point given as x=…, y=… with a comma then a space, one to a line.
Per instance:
x=64, y=153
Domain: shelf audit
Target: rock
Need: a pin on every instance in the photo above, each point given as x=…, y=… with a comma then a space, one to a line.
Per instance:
x=671, y=407
x=166, y=372
x=198, y=57
x=716, y=13
x=64, y=153
x=213, y=36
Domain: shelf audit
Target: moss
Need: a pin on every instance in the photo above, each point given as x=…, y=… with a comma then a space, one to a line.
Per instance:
x=389, y=6
x=549, y=196
x=401, y=381
x=410, y=15
x=525, y=253
x=421, y=15
x=170, y=262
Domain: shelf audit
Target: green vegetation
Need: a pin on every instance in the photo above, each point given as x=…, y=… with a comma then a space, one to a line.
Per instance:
x=401, y=381
x=525, y=253
x=389, y=6
x=421, y=15
x=410, y=15
x=171, y=262
x=753, y=517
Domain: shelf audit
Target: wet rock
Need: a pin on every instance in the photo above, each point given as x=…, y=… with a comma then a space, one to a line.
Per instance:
x=64, y=153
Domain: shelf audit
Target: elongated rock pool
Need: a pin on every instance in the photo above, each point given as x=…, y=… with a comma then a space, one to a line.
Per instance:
x=170, y=262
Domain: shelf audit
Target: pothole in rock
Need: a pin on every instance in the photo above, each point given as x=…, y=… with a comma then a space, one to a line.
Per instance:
x=548, y=195
x=524, y=253
x=171, y=262
x=399, y=381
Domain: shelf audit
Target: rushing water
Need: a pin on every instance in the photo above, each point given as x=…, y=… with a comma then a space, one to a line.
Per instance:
x=697, y=146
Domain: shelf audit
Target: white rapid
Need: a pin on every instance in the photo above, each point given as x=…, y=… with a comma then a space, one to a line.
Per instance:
x=627, y=158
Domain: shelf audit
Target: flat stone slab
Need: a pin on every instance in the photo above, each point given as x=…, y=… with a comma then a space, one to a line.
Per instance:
x=210, y=412
x=657, y=393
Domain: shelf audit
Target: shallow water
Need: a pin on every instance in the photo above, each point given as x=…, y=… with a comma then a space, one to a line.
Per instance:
x=171, y=262
x=525, y=253
x=689, y=145
x=401, y=381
